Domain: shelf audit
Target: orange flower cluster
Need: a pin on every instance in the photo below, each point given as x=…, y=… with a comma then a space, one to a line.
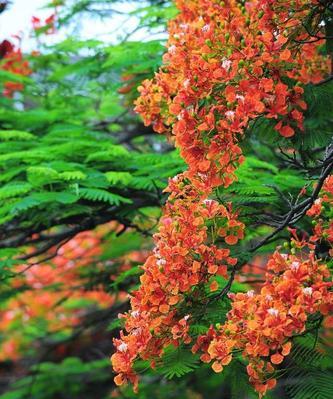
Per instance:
x=323, y=230
x=11, y=60
x=183, y=259
x=262, y=325
x=55, y=293
x=47, y=26
x=226, y=65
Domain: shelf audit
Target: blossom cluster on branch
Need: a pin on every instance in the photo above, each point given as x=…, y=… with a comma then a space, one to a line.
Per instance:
x=12, y=60
x=66, y=293
x=228, y=63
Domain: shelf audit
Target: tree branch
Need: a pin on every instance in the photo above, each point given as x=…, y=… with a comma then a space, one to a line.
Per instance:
x=296, y=212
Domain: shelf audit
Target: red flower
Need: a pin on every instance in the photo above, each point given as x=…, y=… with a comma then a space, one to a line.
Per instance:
x=6, y=47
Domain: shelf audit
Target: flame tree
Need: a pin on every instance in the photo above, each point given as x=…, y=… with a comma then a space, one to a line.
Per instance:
x=232, y=297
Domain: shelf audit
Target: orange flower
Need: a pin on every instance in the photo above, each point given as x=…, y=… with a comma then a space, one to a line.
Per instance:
x=285, y=55
x=205, y=102
x=277, y=358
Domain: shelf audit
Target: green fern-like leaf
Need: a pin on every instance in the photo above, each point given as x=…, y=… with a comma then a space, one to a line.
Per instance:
x=14, y=190
x=310, y=385
x=177, y=362
x=72, y=175
x=143, y=183
x=118, y=178
x=311, y=378
x=41, y=172
x=95, y=194
x=37, y=199
x=109, y=153
x=8, y=135
x=310, y=352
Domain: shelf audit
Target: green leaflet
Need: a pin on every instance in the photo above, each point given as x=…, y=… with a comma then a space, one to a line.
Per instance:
x=176, y=362
x=102, y=195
